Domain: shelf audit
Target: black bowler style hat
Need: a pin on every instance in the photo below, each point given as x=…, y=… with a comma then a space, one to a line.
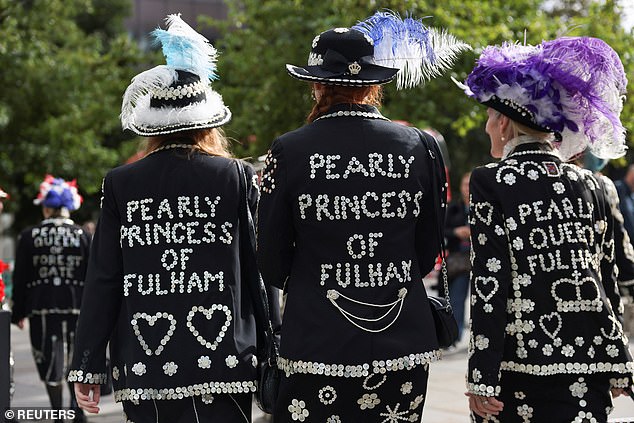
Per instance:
x=376, y=51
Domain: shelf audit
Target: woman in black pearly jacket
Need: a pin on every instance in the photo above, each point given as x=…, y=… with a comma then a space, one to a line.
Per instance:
x=348, y=228
x=164, y=286
x=547, y=341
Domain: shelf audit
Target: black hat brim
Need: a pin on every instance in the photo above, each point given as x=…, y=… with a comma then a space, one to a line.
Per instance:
x=370, y=75
x=519, y=116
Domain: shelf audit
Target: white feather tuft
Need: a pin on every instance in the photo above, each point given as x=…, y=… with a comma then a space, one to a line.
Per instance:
x=140, y=90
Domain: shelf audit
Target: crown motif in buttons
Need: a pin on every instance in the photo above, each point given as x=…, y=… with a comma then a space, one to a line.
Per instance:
x=354, y=68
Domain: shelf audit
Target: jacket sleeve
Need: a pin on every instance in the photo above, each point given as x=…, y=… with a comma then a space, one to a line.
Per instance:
x=490, y=279
x=608, y=227
x=103, y=292
x=21, y=271
x=276, y=237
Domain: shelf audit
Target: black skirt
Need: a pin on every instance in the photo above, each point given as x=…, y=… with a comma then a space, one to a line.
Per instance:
x=575, y=398
x=381, y=397
x=52, y=339
x=225, y=408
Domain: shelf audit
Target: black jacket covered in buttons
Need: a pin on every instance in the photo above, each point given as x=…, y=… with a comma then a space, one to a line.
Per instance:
x=163, y=284
x=347, y=226
x=544, y=294
x=50, y=267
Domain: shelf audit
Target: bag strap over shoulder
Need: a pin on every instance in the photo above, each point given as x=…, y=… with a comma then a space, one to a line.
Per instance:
x=439, y=197
x=267, y=345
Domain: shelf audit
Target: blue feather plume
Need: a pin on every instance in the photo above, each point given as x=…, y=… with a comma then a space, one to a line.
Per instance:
x=184, y=48
x=420, y=53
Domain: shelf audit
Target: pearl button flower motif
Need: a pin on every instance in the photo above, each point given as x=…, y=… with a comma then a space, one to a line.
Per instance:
x=333, y=419
x=327, y=395
x=231, y=361
x=520, y=395
x=170, y=368
x=547, y=350
x=509, y=179
x=579, y=388
x=494, y=265
x=532, y=174
x=525, y=412
x=406, y=388
x=476, y=375
x=559, y=188
x=115, y=373
x=482, y=239
x=612, y=350
x=511, y=224
x=568, y=350
x=368, y=401
x=204, y=362
x=139, y=369
x=481, y=342
x=518, y=244
x=298, y=410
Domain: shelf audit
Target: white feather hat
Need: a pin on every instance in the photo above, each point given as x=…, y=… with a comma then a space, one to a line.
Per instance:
x=177, y=96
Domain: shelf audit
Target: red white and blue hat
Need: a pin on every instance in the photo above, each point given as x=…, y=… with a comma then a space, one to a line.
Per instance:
x=177, y=96
x=56, y=193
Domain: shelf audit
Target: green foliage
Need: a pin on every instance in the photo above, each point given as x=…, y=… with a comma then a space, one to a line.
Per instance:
x=260, y=36
x=61, y=95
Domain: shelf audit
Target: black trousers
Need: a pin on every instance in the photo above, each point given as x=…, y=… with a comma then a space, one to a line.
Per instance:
x=563, y=398
x=208, y=408
x=52, y=340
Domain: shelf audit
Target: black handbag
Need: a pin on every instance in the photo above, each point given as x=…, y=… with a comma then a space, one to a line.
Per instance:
x=267, y=350
x=445, y=322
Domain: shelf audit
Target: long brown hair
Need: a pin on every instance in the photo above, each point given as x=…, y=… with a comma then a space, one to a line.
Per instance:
x=208, y=140
x=336, y=94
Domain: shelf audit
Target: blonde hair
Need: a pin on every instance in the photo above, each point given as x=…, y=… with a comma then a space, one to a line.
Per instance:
x=212, y=141
x=337, y=94
x=515, y=129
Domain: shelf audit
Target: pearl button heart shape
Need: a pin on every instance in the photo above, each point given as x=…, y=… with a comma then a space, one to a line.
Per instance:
x=486, y=287
x=550, y=318
x=208, y=313
x=151, y=320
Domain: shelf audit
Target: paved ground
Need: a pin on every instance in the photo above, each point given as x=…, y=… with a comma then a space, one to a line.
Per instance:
x=445, y=400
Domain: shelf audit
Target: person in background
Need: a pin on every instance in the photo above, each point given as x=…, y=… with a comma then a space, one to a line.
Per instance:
x=348, y=227
x=164, y=286
x=458, y=237
x=625, y=190
x=48, y=281
x=623, y=249
x=547, y=344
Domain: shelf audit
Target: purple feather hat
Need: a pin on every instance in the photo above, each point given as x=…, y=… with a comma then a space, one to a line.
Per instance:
x=572, y=86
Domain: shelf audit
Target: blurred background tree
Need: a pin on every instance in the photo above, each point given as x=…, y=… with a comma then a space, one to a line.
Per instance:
x=261, y=36
x=66, y=63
